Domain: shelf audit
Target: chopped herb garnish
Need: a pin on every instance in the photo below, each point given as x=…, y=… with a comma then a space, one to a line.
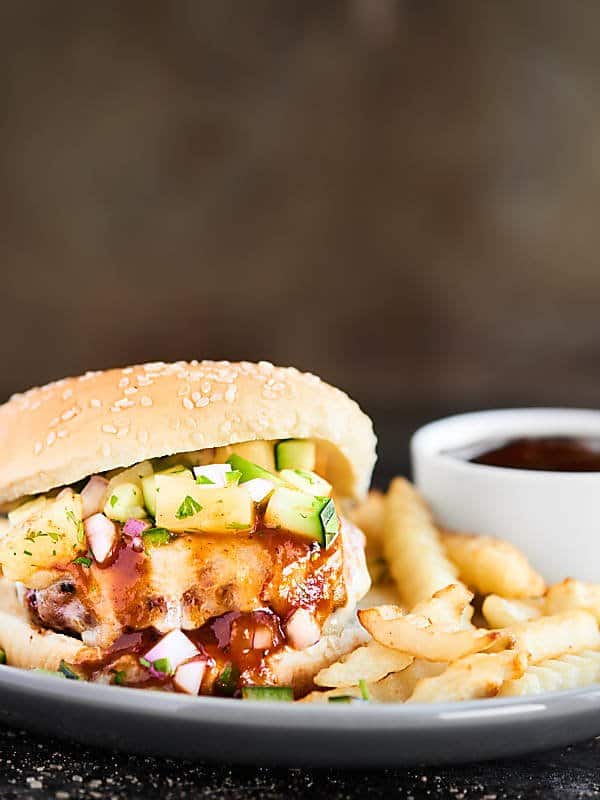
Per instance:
x=78, y=525
x=2, y=656
x=113, y=500
x=236, y=526
x=84, y=561
x=145, y=663
x=156, y=536
x=54, y=536
x=202, y=479
x=27, y=553
x=119, y=676
x=364, y=691
x=188, y=508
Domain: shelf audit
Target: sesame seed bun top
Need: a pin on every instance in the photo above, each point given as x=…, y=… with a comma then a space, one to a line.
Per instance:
x=62, y=432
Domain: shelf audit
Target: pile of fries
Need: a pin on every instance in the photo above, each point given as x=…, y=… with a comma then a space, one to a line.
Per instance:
x=471, y=618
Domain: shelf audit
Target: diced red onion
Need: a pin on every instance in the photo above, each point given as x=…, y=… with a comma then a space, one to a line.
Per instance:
x=188, y=676
x=137, y=544
x=263, y=638
x=135, y=527
x=215, y=473
x=258, y=488
x=92, y=496
x=302, y=629
x=175, y=646
x=101, y=534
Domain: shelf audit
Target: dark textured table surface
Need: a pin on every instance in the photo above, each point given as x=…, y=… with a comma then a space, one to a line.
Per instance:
x=32, y=767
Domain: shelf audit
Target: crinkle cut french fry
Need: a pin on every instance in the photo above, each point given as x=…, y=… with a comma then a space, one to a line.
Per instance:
x=398, y=687
x=570, y=671
x=368, y=515
x=417, y=636
x=412, y=546
x=479, y=675
x=372, y=662
x=550, y=637
x=571, y=594
x=500, y=612
x=492, y=566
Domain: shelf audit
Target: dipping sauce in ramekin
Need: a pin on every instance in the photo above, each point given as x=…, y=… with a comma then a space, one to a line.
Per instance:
x=529, y=475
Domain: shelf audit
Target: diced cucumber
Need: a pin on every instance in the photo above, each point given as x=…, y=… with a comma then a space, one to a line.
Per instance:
x=345, y=698
x=249, y=470
x=68, y=671
x=295, y=454
x=314, y=518
x=126, y=500
x=306, y=481
x=183, y=505
x=259, y=452
x=280, y=694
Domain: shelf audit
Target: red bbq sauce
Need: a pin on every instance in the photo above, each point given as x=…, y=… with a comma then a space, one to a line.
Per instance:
x=549, y=453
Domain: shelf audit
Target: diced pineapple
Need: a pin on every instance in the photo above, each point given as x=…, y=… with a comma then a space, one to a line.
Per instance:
x=149, y=484
x=50, y=536
x=184, y=505
x=259, y=452
x=27, y=509
x=125, y=501
x=306, y=481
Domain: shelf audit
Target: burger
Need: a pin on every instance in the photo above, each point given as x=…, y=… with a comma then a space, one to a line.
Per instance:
x=183, y=527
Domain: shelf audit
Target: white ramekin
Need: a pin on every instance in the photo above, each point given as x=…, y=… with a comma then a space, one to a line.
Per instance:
x=554, y=517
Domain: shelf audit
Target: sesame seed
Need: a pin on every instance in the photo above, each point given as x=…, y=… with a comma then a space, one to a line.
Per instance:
x=109, y=429
x=130, y=390
x=127, y=370
x=68, y=414
x=53, y=422
x=62, y=433
x=122, y=432
x=206, y=387
x=187, y=403
x=196, y=397
x=67, y=394
x=230, y=394
x=35, y=404
x=123, y=383
x=145, y=400
x=204, y=401
x=95, y=403
x=51, y=438
x=115, y=409
x=37, y=449
x=183, y=390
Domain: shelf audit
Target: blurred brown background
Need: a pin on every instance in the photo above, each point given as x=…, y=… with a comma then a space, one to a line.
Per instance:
x=400, y=196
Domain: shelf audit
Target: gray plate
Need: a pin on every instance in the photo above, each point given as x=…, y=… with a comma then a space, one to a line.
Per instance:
x=164, y=724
